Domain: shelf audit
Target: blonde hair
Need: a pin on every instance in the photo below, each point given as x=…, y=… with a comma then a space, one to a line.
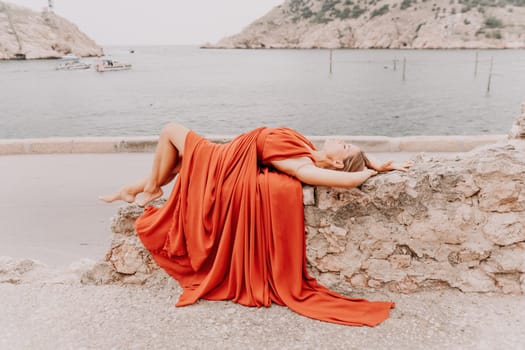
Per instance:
x=357, y=161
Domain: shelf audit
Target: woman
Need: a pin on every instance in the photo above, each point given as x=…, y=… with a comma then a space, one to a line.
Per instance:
x=233, y=226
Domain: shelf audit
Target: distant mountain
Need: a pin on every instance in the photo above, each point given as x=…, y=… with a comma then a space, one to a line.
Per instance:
x=30, y=34
x=417, y=24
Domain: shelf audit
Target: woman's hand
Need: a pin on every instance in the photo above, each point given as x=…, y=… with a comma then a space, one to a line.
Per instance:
x=369, y=172
x=390, y=165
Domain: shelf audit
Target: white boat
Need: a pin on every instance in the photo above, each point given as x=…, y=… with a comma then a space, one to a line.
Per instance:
x=107, y=65
x=73, y=65
x=70, y=57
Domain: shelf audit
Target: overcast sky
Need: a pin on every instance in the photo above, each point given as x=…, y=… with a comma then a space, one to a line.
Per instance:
x=157, y=22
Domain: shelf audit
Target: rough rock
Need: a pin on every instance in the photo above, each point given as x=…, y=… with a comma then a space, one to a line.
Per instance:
x=385, y=24
x=26, y=271
x=33, y=35
x=518, y=129
x=127, y=260
x=452, y=222
x=13, y=271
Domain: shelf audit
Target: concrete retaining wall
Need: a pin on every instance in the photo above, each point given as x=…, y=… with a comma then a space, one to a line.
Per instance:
x=456, y=143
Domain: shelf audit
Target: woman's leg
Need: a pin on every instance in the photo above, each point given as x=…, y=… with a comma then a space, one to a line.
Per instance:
x=126, y=193
x=166, y=165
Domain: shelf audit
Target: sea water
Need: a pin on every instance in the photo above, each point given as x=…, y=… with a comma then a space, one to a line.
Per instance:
x=367, y=92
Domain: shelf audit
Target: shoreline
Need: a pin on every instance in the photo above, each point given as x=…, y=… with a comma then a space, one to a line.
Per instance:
x=146, y=144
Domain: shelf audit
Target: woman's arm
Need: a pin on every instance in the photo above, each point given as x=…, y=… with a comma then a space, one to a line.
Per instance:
x=386, y=166
x=312, y=175
x=305, y=170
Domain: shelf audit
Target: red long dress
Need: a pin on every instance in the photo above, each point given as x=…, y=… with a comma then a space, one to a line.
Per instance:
x=233, y=229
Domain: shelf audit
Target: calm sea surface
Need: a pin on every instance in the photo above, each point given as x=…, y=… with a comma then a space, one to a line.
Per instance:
x=230, y=91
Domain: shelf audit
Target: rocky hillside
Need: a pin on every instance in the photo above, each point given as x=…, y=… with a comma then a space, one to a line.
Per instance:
x=30, y=34
x=386, y=24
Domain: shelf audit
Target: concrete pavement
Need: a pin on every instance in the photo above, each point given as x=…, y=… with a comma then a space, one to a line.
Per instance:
x=49, y=210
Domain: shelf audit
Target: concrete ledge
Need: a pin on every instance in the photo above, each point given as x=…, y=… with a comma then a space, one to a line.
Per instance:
x=94, y=145
x=12, y=147
x=454, y=143
x=367, y=143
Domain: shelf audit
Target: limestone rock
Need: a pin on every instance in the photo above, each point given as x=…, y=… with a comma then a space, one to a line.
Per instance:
x=14, y=271
x=127, y=259
x=124, y=222
x=102, y=273
x=505, y=229
x=509, y=259
x=518, y=129
x=40, y=35
x=384, y=24
x=475, y=281
x=455, y=229
x=27, y=271
x=308, y=195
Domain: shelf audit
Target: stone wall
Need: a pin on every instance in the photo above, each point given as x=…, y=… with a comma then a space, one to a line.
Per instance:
x=450, y=222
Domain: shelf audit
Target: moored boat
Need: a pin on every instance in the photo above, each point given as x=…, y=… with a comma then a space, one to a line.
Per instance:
x=70, y=57
x=107, y=65
x=73, y=65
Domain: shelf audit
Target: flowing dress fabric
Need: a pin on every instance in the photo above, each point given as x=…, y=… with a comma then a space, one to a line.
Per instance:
x=233, y=229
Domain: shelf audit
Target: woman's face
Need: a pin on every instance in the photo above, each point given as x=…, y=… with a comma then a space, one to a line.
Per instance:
x=338, y=150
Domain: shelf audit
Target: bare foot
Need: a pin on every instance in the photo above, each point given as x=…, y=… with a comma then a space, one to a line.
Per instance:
x=148, y=197
x=121, y=195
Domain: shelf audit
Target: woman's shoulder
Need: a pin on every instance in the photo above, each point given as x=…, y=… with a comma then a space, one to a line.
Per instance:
x=283, y=142
x=291, y=136
x=283, y=129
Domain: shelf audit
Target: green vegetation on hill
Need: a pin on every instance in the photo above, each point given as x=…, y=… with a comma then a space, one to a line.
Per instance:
x=493, y=22
x=480, y=5
x=379, y=11
x=406, y=4
x=331, y=10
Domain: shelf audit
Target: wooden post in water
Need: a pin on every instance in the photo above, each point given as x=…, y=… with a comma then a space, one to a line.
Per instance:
x=331, y=61
x=476, y=65
x=404, y=67
x=395, y=63
x=490, y=74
